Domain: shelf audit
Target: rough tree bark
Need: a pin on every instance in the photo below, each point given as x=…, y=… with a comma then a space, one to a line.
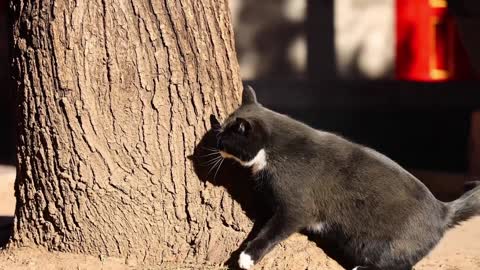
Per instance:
x=113, y=97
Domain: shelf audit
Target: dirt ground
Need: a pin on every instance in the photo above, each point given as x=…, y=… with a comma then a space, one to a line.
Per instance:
x=459, y=250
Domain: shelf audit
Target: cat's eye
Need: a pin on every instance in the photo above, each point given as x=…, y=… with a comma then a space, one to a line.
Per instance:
x=241, y=126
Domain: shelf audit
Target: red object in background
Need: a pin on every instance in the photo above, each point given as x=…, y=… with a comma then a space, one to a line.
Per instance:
x=428, y=47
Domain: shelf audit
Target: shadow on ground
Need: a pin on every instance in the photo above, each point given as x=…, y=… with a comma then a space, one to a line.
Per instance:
x=6, y=229
x=250, y=194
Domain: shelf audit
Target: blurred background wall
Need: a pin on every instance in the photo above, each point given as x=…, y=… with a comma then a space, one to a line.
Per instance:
x=353, y=39
x=270, y=38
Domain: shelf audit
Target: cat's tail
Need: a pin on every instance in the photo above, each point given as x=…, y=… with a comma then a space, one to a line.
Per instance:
x=466, y=206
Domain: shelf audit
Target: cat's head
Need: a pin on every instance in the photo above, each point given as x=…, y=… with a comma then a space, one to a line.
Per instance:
x=243, y=136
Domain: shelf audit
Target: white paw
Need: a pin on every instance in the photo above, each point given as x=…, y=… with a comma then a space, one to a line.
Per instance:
x=245, y=261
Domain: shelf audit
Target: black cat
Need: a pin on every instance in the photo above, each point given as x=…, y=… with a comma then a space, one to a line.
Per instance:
x=380, y=215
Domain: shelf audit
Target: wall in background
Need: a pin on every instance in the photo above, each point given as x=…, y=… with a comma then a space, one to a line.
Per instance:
x=346, y=39
x=364, y=38
x=270, y=38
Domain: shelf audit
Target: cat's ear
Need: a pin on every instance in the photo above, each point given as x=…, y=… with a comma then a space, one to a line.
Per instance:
x=242, y=126
x=248, y=96
x=214, y=122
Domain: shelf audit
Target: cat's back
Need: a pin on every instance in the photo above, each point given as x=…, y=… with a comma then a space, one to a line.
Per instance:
x=326, y=156
x=284, y=128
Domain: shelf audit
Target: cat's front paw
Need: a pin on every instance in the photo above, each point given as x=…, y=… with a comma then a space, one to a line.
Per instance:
x=245, y=261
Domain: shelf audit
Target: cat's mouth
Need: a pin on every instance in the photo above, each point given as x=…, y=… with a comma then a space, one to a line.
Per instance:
x=230, y=156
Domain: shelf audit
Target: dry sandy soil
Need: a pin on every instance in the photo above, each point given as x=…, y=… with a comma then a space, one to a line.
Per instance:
x=459, y=250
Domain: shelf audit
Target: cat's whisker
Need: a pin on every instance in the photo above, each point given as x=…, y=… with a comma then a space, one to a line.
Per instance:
x=211, y=154
x=211, y=161
x=211, y=149
x=220, y=165
x=214, y=165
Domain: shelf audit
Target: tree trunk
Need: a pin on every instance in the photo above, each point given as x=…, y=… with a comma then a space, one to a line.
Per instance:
x=113, y=97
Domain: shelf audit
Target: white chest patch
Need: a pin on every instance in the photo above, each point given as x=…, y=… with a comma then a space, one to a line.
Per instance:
x=258, y=163
x=317, y=227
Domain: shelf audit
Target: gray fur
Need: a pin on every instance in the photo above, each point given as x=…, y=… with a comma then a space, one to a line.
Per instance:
x=382, y=216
